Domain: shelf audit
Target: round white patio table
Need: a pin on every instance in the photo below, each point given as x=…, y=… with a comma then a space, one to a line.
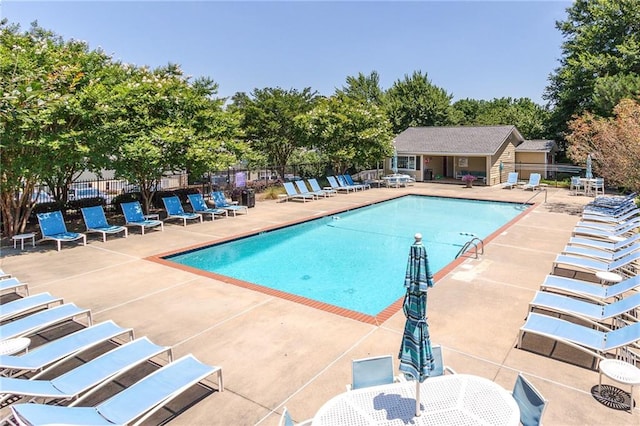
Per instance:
x=453, y=399
x=13, y=346
x=621, y=372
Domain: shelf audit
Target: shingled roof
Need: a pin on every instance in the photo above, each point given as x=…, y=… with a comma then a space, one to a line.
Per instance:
x=459, y=140
x=535, y=145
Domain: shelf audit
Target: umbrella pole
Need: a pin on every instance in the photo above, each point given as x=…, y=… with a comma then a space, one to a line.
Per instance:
x=417, y=398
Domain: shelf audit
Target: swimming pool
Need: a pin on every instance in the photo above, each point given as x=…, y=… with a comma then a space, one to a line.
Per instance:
x=357, y=259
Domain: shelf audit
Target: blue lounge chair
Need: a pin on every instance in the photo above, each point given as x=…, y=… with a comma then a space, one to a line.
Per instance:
x=530, y=401
x=534, y=182
x=200, y=206
x=343, y=183
x=598, y=254
x=174, y=209
x=133, y=405
x=589, y=290
x=40, y=320
x=624, y=266
x=53, y=228
x=315, y=186
x=611, y=210
x=133, y=216
x=512, y=180
x=221, y=203
x=349, y=180
x=4, y=275
x=79, y=380
x=596, y=342
x=302, y=189
x=13, y=285
x=623, y=309
x=25, y=304
x=336, y=186
x=59, y=349
x=610, y=245
x=293, y=194
x=96, y=221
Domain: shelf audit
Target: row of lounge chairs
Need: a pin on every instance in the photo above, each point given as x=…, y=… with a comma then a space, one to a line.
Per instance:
x=32, y=397
x=299, y=190
x=53, y=227
x=602, y=319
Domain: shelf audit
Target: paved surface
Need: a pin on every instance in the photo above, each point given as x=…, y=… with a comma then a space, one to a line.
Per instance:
x=277, y=353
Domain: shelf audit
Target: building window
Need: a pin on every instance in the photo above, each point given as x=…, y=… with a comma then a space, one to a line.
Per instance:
x=406, y=162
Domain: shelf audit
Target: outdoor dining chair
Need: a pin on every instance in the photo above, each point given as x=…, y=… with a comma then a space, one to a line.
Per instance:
x=372, y=371
x=531, y=402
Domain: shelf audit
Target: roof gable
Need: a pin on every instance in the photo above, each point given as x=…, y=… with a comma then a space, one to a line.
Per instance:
x=480, y=140
x=537, y=145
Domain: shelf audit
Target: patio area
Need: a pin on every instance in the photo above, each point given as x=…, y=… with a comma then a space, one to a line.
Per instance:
x=276, y=352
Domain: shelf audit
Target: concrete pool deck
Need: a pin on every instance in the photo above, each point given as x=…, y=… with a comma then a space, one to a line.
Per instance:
x=276, y=352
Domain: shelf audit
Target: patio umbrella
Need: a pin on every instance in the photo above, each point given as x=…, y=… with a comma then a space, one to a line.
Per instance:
x=416, y=358
x=394, y=161
x=589, y=173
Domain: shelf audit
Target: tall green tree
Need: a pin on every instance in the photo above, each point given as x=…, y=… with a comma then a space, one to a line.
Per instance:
x=47, y=128
x=269, y=121
x=602, y=39
x=415, y=101
x=610, y=90
x=528, y=117
x=365, y=88
x=165, y=123
x=348, y=132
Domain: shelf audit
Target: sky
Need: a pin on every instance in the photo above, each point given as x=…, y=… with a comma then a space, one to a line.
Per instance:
x=472, y=49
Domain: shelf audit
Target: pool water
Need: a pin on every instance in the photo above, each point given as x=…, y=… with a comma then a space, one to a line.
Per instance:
x=357, y=259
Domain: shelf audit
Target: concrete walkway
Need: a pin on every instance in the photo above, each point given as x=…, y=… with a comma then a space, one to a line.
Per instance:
x=275, y=352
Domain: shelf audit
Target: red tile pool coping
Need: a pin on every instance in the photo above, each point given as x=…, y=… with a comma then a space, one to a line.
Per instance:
x=383, y=316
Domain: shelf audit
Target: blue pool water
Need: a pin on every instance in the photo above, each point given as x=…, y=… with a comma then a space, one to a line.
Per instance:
x=356, y=259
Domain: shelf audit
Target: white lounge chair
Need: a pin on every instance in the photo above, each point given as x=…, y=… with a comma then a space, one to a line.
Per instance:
x=512, y=180
x=601, y=312
x=534, y=182
x=13, y=285
x=315, y=186
x=59, y=349
x=609, y=245
x=337, y=187
x=625, y=266
x=221, y=203
x=25, y=304
x=595, y=341
x=41, y=320
x=598, y=254
x=589, y=290
x=131, y=406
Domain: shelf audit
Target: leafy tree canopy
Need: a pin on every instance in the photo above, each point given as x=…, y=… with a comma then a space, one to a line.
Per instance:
x=363, y=88
x=602, y=39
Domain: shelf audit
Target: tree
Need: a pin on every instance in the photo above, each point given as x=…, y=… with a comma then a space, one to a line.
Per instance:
x=363, y=88
x=164, y=124
x=348, y=132
x=613, y=142
x=602, y=39
x=268, y=121
x=610, y=90
x=528, y=117
x=415, y=101
x=46, y=128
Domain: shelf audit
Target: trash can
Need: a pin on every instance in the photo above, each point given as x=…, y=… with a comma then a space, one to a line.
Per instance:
x=248, y=198
x=428, y=174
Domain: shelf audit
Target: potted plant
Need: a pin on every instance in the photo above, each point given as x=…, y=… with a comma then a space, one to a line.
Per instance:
x=468, y=179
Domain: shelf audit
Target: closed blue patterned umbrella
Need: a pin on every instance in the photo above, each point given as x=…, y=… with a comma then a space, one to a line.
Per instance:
x=589, y=172
x=416, y=358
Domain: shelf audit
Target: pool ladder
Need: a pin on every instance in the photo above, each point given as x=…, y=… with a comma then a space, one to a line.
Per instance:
x=474, y=241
